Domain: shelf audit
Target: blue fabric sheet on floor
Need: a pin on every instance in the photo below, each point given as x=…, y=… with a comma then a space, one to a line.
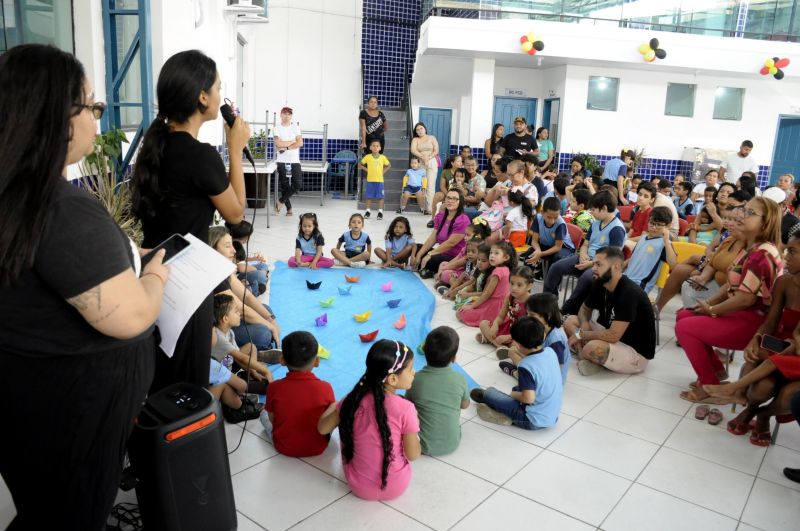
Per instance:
x=297, y=307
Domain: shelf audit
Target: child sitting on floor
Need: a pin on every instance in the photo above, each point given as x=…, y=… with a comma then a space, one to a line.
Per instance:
x=399, y=244
x=536, y=401
x=254, y=268
x=497, y=332
x=502, y=257
x=296, y=403
x=439, y=393
x=309, y=244
x=457, y=282
x=470, y=290
x=379, y=430
x=357, y=245
x=544, y=307
x=228, y=315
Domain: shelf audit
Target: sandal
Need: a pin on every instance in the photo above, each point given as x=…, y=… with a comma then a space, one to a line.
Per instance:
x=702, y=412
x=508, y=368
x=502, y=353
x=480, y=338
x=691, y=396
x=737, y=427
x=715, y=416
x=760, y=438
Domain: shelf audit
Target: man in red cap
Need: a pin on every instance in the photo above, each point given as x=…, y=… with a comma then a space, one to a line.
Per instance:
x=288, y=142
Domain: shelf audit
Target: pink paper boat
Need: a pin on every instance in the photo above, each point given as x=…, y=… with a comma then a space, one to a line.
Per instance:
x=367, y=338
x=401, y=323
x=387, y=287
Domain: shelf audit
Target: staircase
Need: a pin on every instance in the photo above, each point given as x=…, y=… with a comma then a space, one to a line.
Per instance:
x=396, y=150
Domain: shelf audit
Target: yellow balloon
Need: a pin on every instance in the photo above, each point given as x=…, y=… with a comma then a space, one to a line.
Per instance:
x=644, y=48
x=532, y=37
x=527, y=46
x=650, y=55
x=773, y=70
x=769, y=63
x=536, y=37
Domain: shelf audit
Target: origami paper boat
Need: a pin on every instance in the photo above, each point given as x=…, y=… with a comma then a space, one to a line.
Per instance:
x=401, y=323
x=327, y=303
x=345, y=291
x=322, y=320
x=366, y=338
x=362, y=317
x=421, y=349
x=352, y=280
x=387, y=287
x=322, y=352
x=394, y=303
x=313, y=285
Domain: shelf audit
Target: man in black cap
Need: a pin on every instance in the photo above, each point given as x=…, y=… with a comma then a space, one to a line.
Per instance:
x=520, y=142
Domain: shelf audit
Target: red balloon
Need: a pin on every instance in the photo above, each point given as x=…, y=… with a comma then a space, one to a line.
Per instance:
x=524, y=38
x=764, y=70
x=782, y=63
x=532, y=51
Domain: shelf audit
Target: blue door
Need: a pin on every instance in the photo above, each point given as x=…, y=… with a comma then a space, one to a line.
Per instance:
x=506, y=109
x=786, y=154
x=438, y=122
x=550, y=113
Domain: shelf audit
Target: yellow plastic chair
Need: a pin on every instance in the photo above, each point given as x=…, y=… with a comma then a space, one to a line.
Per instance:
x=683, y=250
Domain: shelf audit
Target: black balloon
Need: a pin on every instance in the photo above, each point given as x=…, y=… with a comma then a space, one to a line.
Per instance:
x=778, y=74
x=654, y=43
x=660, y=53
x=776, y=59
x=538, y=46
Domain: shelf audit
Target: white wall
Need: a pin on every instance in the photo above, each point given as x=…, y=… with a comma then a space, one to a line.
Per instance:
x=309, y=58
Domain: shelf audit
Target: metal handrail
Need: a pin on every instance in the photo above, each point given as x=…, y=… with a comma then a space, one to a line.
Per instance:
x=407, y=98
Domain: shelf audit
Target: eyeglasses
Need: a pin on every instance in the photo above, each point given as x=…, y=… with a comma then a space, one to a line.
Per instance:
x=750, y=212
x=97, y=108
x=657, y=224
x=451, y=198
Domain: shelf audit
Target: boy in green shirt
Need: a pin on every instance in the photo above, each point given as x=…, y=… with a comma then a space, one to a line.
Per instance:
x=580, y=201
x=439, y=393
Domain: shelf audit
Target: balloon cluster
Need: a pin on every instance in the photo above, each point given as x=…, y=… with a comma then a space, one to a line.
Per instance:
x=651, y=51
x=531, y=43
x=773, y=66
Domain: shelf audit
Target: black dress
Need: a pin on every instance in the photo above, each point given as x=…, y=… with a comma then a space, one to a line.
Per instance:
x=68, y=393
x=374, y=128
x=191, y=171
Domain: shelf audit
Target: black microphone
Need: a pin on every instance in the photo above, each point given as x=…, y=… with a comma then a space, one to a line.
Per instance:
x=229, y=117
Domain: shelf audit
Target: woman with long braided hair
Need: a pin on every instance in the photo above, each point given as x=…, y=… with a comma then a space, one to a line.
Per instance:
x=378, y=429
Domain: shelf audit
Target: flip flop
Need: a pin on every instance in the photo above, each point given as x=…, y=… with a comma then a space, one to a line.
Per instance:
x=689, y=396
x=760, y=438
x=702, y=412
x=694, y=384
x=739, y=428
x=715, y=416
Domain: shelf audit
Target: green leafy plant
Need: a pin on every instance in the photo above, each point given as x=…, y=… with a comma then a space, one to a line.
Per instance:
x=590, y=162
x=102, y=176
x=258, y=145
x=640, y=159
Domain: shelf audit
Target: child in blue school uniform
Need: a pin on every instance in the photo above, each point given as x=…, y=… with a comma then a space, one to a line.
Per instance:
x=652, y=251
x=357, y=245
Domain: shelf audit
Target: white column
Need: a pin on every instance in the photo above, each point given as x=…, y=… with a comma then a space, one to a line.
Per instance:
x=482, y=101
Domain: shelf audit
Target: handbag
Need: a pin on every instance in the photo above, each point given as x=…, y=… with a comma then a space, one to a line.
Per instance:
x=438, y=161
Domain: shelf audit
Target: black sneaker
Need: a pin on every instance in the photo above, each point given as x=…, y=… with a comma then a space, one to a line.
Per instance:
x=380, y=215
x=366, y=214
x=399, y=210
x=477, y=395
x=248, y=411
x=424, y=273
x=430, y=224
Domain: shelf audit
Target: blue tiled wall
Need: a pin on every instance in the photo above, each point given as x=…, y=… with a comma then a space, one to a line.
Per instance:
x=388, y=44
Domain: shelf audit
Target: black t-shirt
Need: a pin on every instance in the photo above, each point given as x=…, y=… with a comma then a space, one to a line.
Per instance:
x=81, y=247
x=628, y=303
x=513, y=142
x=374, y=125
x=191, y=171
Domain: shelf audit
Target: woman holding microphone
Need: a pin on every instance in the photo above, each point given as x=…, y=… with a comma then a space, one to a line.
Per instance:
x=76, y=310
x=179, y=182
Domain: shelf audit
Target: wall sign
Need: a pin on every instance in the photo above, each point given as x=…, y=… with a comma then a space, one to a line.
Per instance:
x=518, y=92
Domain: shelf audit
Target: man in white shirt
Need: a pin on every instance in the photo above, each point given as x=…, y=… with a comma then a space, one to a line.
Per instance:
x=288, y=142
x=734, y=165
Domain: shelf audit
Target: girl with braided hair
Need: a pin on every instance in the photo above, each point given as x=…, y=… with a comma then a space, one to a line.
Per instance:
x=379, y=430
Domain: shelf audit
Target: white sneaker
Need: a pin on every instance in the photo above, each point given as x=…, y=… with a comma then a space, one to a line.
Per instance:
x=358, y=265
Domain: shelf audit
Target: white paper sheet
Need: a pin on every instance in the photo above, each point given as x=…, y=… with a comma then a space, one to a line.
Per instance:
x=192, y=276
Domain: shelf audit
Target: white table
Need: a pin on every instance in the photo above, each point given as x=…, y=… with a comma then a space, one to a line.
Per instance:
x=262, y=166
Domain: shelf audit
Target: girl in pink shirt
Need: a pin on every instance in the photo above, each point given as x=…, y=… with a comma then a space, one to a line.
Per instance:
x=378, y=429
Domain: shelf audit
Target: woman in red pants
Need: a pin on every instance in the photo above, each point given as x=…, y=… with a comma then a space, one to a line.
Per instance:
x=731, y=317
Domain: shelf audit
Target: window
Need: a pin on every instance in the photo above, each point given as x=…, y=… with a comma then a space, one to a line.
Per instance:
x=680, y=100
x=42, y=21
x=602, y=93
x=728, y=103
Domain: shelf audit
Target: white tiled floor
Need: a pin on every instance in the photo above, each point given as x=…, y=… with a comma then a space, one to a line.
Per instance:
x=627, y=453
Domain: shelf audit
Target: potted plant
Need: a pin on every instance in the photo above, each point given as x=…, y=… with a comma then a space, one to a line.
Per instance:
x=589, y=161
x=102, y=176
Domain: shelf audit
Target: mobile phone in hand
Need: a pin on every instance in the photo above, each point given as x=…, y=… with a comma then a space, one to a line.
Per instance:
x=774, y=344
x=174, y=246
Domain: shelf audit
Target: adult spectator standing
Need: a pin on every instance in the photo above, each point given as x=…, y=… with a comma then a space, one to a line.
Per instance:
x=426, y=148
x=623, y=339
x=616, y=170
x=288, y=141
x=520, y=142
x=494, y=142
x=179, y=182
x=77, y=314
x=372, y=123
x=734, y=165
x=546, y=149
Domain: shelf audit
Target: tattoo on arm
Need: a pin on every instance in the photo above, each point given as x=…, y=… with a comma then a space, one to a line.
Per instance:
x=104, y=317
x=87, y=299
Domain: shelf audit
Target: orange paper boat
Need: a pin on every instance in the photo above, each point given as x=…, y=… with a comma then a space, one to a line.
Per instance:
x=366, y=338
x=352, y=280
x=401, y=323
